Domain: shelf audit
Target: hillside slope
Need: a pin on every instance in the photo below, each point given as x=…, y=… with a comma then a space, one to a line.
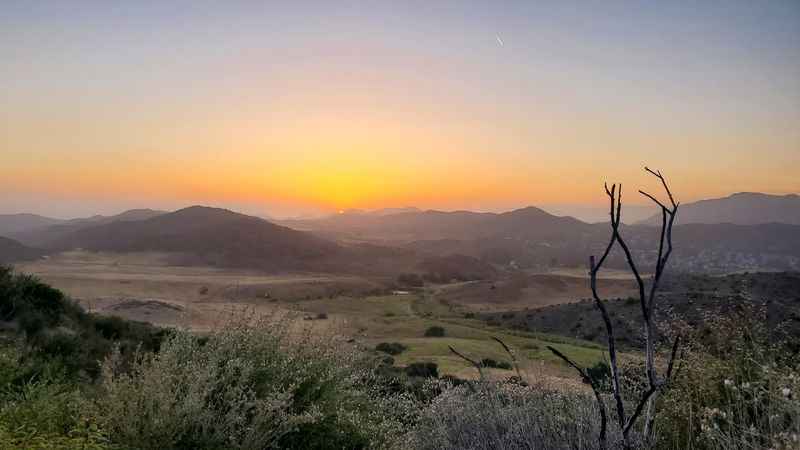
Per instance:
x=743, y=208
x=691, y=299
x=12, y=251
x=529, y=222
x=15, y=223
x=45, y=236
x=206, y=236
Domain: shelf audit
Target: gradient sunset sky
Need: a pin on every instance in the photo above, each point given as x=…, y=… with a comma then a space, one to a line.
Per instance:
x=288, y=108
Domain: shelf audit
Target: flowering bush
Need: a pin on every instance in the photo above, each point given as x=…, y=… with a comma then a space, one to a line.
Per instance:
x=248, y=386
x=738, y=389
x=509, y=416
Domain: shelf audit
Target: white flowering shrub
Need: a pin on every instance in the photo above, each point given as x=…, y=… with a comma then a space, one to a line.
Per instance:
x=247, y=387
x=509, y=416
x=739, y=389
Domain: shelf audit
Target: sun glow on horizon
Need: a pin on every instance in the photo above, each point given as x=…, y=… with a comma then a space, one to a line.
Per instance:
x=300, y=108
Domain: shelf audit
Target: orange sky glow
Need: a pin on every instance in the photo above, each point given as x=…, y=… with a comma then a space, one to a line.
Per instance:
x=287, y=111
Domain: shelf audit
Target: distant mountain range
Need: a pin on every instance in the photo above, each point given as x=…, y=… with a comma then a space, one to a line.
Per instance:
x=204, y=236
x=744, y=208
x=388, y=241
x=43, y=236
x=13, y=251
x=14, y=223
x=530, y=222
x=380, y=212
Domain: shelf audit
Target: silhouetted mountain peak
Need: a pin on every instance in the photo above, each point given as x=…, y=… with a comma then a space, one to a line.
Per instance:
x=741, y=208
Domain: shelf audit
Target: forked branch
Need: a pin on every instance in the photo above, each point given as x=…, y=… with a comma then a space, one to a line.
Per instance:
x=647, y=303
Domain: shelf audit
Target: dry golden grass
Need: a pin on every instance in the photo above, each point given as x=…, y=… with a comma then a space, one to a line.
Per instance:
x=144, y=287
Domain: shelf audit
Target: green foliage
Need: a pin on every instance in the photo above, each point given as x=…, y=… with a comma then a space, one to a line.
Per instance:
x=392, y=348
x=494, y=364
x=410, y=280
x=434, y=331
x=56, y=329
x=246, y=387
x=40, y=409
x=738, y=388
x=422, y=370
x=600, y=373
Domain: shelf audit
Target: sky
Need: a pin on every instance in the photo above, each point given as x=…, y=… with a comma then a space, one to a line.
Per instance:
x=297, y=108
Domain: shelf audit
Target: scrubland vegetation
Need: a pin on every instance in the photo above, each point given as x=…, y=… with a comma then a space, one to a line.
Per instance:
x=717, y=379
x=74, y=380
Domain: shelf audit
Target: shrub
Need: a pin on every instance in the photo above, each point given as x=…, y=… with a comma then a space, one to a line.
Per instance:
x=489, y=362
x=507, y=416
x=392, y=348
x=434, y=331
x=422, y=370
x=55, y=327
x=743, y=384
x=39, y=409
x=600, y=373
x=410, y=279
x=246, y=387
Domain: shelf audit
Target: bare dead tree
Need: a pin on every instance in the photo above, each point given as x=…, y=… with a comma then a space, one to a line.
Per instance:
x=647, y=301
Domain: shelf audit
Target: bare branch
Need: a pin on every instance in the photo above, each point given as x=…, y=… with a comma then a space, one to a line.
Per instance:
x=659, y=264
x=511, y=354
x=469, y=360
x=584, y=375
x=629, y=258
x=638, y=411
x=611, y=342
x=655, y=200
x=663, y=182
x=586, y=378
x=675, y=346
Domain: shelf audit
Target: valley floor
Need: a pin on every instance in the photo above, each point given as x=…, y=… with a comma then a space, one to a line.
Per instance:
x=144, y=287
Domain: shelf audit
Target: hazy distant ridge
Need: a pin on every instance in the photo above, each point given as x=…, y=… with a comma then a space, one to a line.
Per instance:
x=744, y=208
x=14, y=223
x=45, y=236
x=205, y=236
x=13, y=251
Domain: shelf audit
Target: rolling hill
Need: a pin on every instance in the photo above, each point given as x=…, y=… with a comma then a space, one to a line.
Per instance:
x=386, y=242
x=689, y=298
x=15, y=223
x=743, y=208
x=532, y=238
x=204, y=235
x=45, y=236
x=12, y=251
x=410, y=226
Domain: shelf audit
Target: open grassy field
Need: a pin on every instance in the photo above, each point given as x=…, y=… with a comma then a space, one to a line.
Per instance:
x=143, y=287
x=522, y=291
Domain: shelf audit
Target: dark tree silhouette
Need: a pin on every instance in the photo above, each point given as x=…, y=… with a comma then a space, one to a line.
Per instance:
x=647, y=300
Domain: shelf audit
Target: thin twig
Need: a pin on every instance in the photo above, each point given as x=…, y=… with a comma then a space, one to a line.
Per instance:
x=600, y=404
x=511, y=354
x=469, y=360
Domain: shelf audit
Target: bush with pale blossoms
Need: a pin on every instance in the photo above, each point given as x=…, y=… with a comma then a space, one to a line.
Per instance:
x=737, y=389
x=245, y=387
